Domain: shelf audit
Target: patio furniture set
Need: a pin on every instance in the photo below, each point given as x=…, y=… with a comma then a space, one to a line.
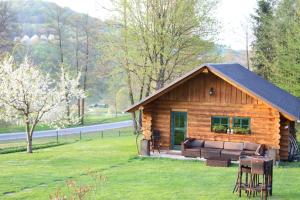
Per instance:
x=255, y=174
x=219, y=149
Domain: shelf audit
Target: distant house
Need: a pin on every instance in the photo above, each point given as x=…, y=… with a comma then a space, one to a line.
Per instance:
x=213, y=101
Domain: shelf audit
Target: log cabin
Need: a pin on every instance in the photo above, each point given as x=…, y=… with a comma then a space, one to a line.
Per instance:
x=221, y=95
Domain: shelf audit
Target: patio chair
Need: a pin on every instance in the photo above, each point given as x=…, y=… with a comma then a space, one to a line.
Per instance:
x=155, y=140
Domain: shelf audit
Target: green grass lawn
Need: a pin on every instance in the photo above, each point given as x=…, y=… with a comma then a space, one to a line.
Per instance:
x=93, y=116
x=24, y=176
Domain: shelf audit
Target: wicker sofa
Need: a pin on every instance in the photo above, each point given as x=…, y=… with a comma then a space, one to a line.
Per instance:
x=191, y=148
x=231, y=150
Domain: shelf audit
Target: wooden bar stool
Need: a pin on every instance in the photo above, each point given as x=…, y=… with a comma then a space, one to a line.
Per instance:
x=243, y=182
x=261, y=177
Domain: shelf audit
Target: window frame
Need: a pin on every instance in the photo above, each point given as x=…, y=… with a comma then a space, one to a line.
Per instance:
x=241, y=123
x=220, y=117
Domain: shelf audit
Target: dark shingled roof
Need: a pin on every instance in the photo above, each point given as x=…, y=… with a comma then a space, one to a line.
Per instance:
x=267, y=91
x=236, y=73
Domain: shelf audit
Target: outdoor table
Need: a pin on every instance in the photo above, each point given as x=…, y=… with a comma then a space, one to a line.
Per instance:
x=253, y=186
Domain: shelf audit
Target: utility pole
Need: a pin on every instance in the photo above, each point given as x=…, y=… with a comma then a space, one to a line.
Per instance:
x=247, y=50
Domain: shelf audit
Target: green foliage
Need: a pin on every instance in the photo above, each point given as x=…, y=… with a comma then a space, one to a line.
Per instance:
x=153, y=46
x=276, y=48
x=241, y=130
x=288, y=46
x=264, y=47
x=219, y=128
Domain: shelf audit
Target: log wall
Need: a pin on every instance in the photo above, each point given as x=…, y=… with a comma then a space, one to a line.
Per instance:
x=284, y=138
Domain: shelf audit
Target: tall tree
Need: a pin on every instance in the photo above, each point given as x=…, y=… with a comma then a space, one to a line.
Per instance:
x=87, y=33
x=59, y=25
x=264, y=45
x=172, y=34
x=78, y=68
x=159, y=40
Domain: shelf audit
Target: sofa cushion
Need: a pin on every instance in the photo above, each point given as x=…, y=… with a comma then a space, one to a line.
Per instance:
x=196, y=144
x=210, y=150
x=248, y=152
x=231, y=152
x=234, y=145
x=251, y=146
x=214, y=144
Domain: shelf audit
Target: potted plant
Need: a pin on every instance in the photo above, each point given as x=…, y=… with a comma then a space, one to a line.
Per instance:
x=219, y=129
x=240, y=130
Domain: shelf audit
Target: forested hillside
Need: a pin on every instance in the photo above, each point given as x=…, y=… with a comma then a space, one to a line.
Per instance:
x=51, y=35
x=36, y=34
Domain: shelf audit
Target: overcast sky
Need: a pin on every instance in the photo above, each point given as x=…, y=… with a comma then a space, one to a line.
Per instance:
x=232, y=15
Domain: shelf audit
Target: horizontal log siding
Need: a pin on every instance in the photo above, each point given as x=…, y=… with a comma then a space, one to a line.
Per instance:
x=284, y=139
x=194, y=97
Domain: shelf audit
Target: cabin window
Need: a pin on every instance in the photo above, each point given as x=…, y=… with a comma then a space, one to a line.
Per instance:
x=241, y=125
x=219, y=123
x=241, y=122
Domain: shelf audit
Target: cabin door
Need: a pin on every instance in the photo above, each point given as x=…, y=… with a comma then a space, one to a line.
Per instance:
x=178, y=128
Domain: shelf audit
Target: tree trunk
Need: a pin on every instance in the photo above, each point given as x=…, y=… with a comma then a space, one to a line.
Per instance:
x=126, y=66
x=29, y=143
x=116, y=110
x=87, y=54
x=77, y=70
x=247, y=50
x=160, y=80
x=82, y=111
x=58, y=21
x=29, y=137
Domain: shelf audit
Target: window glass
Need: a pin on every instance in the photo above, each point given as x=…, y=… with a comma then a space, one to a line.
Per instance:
x=215, y=120
x=220, y=120
x=242, y=122
x=182, y=120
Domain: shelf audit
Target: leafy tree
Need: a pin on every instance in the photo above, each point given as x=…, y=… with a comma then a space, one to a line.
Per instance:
x=29, y=96
x=276, y=48
x=173, y=36
x=157, y=41
x=264, y=45
x=287, y=75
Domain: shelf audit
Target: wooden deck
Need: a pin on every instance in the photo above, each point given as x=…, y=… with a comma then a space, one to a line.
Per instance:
x=176, y=154
x=173, y=154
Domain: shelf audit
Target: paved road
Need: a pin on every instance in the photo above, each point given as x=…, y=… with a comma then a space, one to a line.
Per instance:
x=66, y=131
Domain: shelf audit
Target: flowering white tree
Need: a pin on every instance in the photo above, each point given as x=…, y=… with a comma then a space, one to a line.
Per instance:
x=29, y=96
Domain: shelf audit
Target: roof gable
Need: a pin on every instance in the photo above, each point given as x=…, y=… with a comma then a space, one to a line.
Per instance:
x=241, y=77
